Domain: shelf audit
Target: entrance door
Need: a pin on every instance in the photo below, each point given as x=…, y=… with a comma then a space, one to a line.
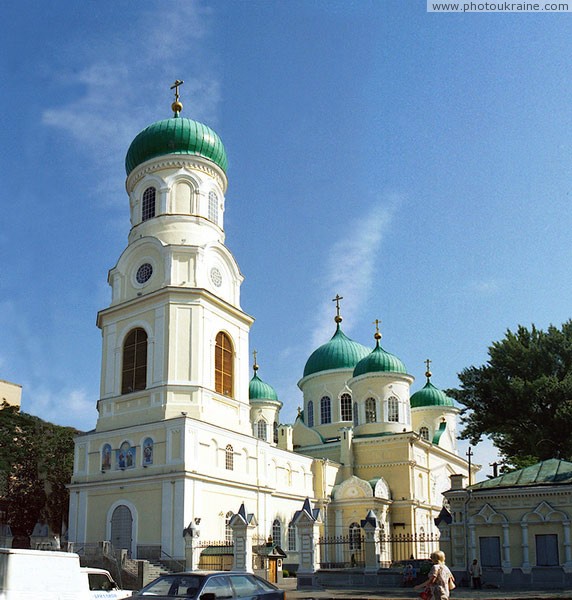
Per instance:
x=121, y=529
x=272, y=570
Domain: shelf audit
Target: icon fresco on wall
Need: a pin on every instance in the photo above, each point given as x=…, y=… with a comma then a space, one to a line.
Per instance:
x=106, y=457
x=148, y=451
x=126, y=456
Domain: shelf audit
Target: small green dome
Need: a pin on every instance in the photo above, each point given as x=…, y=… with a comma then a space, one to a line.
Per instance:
x=379, y=361
x=429, y=395
x=258, y=390
x=339, y=353
x=176, y=135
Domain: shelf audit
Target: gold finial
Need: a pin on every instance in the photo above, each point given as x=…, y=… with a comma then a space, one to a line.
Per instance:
x=337, y=299
x=177, y=106
x=428, y=372
x=254, y=366
x=377, y=335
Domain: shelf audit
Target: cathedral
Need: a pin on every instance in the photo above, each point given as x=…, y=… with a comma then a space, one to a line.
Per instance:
x=187, y=432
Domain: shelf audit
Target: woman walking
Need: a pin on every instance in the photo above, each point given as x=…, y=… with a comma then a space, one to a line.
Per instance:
x=440, y=580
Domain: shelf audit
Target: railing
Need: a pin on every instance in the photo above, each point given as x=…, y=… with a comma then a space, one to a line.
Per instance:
x=405, y=546
x=341, y=551
x=216, y=555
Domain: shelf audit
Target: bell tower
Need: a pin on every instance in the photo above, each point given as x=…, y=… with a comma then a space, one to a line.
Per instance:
x=175, y=339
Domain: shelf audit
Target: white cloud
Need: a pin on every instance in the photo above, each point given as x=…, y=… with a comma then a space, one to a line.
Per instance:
x=70, y=407
x=483, y=287
x=125, y=86
x=350, y=267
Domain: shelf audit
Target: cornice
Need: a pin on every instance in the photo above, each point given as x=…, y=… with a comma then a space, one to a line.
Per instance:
x=171, y=291
x=187, y=162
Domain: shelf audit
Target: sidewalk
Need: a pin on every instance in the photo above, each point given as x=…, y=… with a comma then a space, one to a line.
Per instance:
x=289, y=584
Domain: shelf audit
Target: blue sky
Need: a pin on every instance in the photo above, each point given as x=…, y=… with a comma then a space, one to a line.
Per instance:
x=418, y=164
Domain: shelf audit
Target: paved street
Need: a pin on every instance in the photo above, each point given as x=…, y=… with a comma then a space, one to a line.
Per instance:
x=399, y=593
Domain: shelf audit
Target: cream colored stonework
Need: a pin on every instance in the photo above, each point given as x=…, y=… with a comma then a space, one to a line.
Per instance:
x=177, y=450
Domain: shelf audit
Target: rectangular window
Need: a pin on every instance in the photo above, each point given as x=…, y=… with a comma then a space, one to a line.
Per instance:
x=490, y=551
x=547, y=550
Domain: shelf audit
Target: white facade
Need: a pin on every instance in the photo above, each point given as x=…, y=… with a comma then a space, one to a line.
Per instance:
x=178, y=438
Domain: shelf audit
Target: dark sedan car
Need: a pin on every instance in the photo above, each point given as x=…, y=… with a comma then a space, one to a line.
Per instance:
x=210, y=586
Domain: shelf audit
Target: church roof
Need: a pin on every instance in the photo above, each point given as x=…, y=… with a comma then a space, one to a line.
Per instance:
x=339, y=353
x=379, y=361
x=177, y=135
x=548, y=472
x=259, y=390
x=429, y=395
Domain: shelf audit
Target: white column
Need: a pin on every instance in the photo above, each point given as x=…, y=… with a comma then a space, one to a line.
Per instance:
x=567, y=550
x=525, y=558
x=506, y=566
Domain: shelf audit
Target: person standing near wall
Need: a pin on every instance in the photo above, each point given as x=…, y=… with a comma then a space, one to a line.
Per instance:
x=475, y=572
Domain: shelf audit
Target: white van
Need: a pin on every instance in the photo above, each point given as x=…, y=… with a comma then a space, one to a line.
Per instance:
x=102, y=586
x=47, y=575
x=38, y=574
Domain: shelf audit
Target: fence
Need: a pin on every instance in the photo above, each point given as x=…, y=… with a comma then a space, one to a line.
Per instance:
x=341, y=551
x=403, y=546
x=348, y=551
x=216, y=555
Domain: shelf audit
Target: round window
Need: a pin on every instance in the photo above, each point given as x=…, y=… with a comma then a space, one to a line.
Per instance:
x=144, y=273
x=216, y=277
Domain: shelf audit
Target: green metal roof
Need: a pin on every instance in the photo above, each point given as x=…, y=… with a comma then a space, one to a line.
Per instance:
x=439, y=432
x=429, y=395
x=379, y=361
x=548, y=472
x=339, y=353
x=258, y=390
x=176, y=135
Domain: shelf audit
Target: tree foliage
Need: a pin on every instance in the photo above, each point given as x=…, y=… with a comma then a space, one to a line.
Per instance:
x=36, y=464
x=522, y=396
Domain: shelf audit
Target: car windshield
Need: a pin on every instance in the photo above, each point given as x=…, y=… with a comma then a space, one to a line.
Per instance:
x=178, y=586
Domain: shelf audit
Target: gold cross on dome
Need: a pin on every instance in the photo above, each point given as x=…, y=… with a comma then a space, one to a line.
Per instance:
x=175, y=87
x=255, y=354
x=337, y=301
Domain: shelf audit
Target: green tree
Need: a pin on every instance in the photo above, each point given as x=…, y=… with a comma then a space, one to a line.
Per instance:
x=36, y=463
x=522, y=396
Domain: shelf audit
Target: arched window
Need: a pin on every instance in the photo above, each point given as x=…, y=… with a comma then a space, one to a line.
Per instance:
x=277, y=532
x=325, y=410
x=223, y=364
x=213, y=208
x=424, y=433
x=134, y=374
x=393, y=409
x=346, y=407
x=227, y=527
x=229, y=458
x=291, y=537
x=356, y=418
x=310, y=422
x=275, y=432
x=355, y=537
x=148, y=204
x=261, y=430
x=370, y=411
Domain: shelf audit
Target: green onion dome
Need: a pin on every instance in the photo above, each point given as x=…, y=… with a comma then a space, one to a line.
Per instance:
x=379, y=361
x=429, y=395
x=339, y=353
x=258, y=390
x=176, y=135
